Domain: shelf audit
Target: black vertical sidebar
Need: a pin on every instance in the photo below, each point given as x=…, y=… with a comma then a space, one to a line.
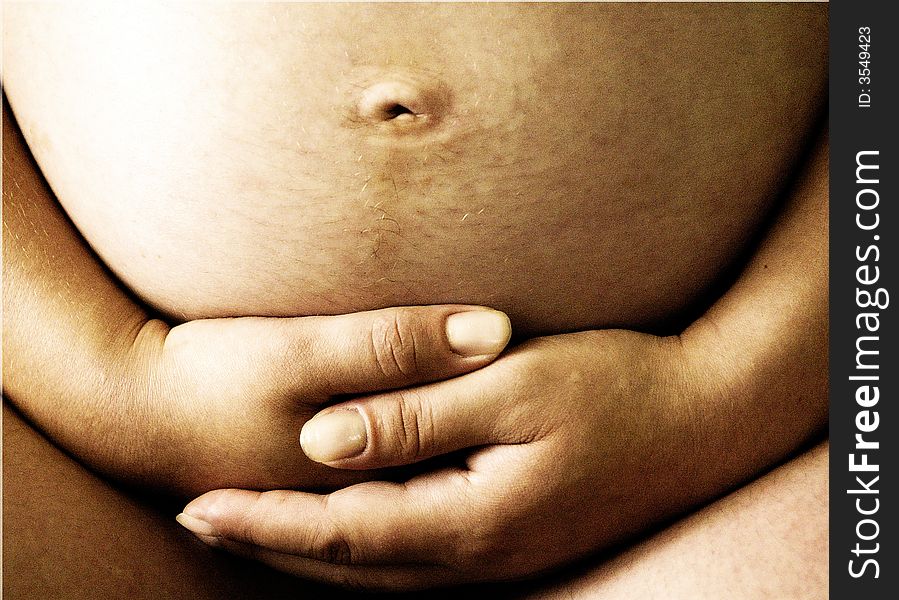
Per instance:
x=864, y=269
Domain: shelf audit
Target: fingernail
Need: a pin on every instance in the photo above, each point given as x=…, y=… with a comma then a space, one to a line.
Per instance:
x=197, y=526
x=478, y=332
x=332, y=436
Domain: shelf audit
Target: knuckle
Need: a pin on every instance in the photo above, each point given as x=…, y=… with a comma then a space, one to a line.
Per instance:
x=394, y=344
x=328, y=542
x=251, y=525
x=330, y=546
x=414, y=426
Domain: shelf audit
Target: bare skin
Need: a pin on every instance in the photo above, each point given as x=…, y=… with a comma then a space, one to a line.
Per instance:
x=578, y=441
x=50, y=552
x=532, y=317
x=208, y=403
x=588, y=166
x=35, y=469
x=759, y=543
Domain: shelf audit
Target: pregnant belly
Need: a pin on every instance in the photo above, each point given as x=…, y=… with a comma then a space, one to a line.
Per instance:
x=574, y=165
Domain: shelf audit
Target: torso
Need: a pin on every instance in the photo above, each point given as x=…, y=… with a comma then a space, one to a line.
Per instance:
x=577, y=166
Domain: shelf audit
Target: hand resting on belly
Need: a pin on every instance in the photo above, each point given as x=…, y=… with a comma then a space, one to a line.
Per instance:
x=320, y=223
x=209, y=403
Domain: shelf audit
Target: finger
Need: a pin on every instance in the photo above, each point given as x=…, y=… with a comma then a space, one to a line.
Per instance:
x=407, y=426
x=371, y=523
x=355, y=353
x=372, y=578
x=399, y=347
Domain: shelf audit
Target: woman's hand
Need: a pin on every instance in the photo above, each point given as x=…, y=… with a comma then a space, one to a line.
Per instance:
x=208, y=403
x=224, y=399
x=580, y=440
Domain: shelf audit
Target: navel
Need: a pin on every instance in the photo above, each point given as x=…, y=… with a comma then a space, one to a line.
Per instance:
x=402, y=104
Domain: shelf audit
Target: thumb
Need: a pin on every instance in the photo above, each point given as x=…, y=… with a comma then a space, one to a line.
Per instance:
x=411, y=425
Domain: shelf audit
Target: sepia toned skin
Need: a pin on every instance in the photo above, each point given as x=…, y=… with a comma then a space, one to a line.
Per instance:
x=572, y=190
x=643, y=144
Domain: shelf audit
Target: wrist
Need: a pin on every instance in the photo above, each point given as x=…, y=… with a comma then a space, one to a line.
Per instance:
x=146, y=436
x=729, y=387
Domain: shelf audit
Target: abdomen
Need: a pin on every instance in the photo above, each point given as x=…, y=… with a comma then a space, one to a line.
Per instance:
x=575, y=165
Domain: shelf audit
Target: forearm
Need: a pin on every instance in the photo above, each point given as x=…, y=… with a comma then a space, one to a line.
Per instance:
x=762, y=348
x=69, y=330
